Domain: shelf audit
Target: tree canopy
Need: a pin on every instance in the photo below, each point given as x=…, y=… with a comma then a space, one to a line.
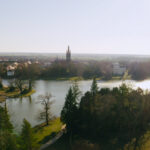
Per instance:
x=114, y=118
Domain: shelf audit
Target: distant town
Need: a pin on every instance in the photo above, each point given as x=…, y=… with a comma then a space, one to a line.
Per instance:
x=81, y=65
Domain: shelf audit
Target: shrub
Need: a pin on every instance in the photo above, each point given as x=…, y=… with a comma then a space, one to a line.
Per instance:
x=11, y=89
x=25, y=91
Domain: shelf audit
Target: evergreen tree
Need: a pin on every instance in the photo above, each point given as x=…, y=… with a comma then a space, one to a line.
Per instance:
x=1, y=84
x=70, y=107
x=4, y=119
x=28, y=141
x=76, y=92
x=94, y=87
x=7, y=139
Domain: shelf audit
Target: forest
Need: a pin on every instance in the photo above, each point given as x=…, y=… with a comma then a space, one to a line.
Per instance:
x=116, y=119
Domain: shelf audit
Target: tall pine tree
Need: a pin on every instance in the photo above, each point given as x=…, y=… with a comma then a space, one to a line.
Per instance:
x=7, y=139
x=69, y=111
x=94, y=87
x=69, y=108
x=28, y=141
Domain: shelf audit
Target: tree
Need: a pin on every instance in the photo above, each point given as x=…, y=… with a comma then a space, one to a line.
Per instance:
x=4, y=119
x=70, y=107
x=11, y=86
x=46, y=112
x=7, y=139
x=68, y=112
x=76, y=92
x=120, y=117
x=27, y=72
x=32, y=71
x=28, y=141
x=94, y=87
x=19, y=84
x=1, y=84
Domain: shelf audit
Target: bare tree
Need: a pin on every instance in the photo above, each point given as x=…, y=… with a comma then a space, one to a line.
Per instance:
x=46, y=101
x=19, y=84
x=11, y=85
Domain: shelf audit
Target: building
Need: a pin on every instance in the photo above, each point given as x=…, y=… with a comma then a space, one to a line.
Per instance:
x=10, y=71
x=118, y=70
x=68, y=55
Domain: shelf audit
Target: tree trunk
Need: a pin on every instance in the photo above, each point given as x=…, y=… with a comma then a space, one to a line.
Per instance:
x=47, y=117
x=136, y=144
x=70, y=140
x=30, y=85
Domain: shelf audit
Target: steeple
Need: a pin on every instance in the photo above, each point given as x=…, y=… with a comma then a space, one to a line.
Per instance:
x=68, y=48
x=68, y=54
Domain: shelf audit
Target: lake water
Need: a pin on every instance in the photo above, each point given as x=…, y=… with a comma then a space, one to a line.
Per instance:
x=30, y=107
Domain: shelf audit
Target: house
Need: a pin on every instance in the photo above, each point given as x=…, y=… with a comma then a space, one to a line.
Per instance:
x=118, y=69
x=10, y=71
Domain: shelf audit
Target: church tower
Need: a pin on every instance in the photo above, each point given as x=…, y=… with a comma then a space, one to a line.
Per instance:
x=68, y=55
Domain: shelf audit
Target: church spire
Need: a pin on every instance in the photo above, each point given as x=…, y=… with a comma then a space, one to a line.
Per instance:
x=68, y=48
x=68, y=54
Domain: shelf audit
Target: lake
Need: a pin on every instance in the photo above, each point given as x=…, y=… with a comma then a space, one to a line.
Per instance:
x=30, y=107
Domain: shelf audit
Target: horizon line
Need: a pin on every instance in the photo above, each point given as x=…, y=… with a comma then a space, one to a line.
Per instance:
x=73, y=53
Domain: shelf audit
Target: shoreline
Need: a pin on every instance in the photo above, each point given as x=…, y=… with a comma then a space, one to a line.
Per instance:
x=15, y=94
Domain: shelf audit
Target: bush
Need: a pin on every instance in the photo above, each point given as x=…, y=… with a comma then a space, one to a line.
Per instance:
x=25, y=91
x=11, y=89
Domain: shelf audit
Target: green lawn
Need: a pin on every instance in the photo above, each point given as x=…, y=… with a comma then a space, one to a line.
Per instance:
x=70, y=79
x=44, y=133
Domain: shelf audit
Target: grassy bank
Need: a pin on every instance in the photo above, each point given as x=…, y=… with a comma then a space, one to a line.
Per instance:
x=44, y=133
x=125, y=77
x=71, y=79
x=13, y=94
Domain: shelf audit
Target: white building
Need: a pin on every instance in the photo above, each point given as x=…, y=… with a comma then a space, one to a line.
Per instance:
x=10, y=71
x=118, y=70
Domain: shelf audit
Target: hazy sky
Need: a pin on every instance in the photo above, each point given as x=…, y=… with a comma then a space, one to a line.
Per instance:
x=88, y=26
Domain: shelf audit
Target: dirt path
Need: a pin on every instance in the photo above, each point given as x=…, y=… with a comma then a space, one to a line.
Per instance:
x=52, y=141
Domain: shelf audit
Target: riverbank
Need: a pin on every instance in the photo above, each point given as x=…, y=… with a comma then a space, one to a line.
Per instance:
x=44, y=133
x=85, y=79
x=126, y=76
x=4, y=93
x=76, y=78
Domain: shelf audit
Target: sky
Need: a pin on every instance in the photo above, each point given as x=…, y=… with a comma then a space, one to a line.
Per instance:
x=87, y=26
